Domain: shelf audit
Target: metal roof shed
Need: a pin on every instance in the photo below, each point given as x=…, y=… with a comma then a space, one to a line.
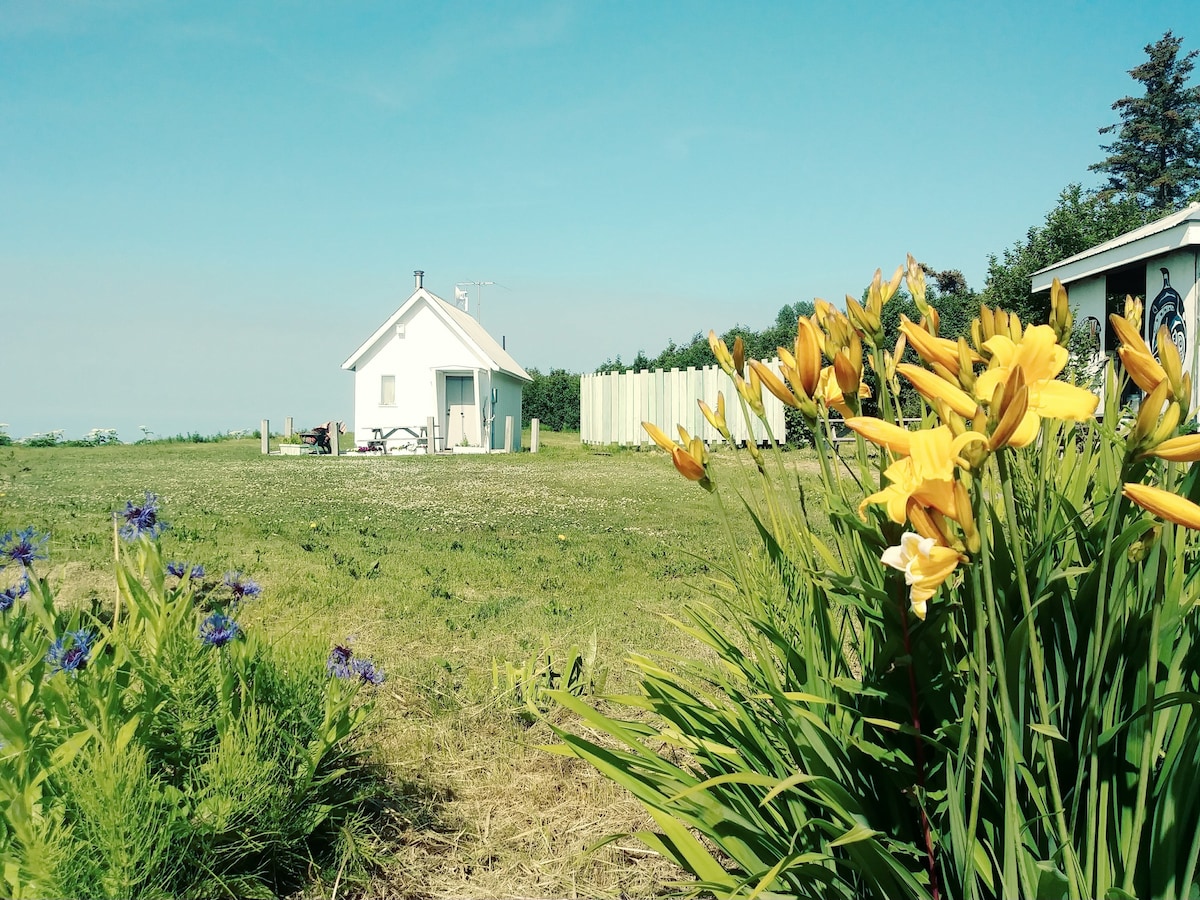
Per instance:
x=1159, y=263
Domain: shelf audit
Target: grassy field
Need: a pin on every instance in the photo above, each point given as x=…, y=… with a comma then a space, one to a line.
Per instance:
x=434, y=566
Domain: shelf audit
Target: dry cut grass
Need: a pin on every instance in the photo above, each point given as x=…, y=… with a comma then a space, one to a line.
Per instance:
x=435, y=567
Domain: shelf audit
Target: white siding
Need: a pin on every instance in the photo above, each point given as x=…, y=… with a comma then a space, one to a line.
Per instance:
x=613, y=406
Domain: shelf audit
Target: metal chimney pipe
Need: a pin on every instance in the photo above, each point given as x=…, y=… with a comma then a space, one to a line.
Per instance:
x=418, y=276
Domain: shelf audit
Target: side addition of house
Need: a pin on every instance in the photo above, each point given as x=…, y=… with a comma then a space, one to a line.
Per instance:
x=1158, y=263
x=432, y=360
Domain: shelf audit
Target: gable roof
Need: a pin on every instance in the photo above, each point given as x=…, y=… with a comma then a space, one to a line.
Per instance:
x=467, y=329
x=1178, y=229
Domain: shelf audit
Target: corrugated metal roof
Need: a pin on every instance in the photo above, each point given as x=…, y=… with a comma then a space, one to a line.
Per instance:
x=1071, y=267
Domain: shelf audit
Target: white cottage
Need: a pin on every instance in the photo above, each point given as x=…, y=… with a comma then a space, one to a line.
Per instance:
x=1159, y=262
x=431, y=360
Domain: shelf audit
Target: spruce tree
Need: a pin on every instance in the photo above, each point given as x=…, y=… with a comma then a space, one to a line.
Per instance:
x=1156, y=156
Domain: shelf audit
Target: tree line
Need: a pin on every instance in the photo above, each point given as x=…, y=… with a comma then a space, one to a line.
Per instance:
x=1152, y=169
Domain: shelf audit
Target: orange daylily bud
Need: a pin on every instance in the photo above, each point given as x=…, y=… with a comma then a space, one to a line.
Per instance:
x=1014, y=414
x=865, y=320
x=1060, y=312
x=879, y=293
x=687, y=465
x=716, y=419
x=721, y=352
x=1148, y=415
x=847, y=377
x=914, y=277
x=1133, y=313
x=658, y=437
x=930, y=348
x=1185, y=448
x=1164, y=504
x=966, y=516
x=808, y=356
x=773, y=384
x=933, y=388
x=739, y=356
x=882, y=433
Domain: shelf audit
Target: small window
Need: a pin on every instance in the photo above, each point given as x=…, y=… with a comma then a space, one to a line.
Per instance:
x=387, y=390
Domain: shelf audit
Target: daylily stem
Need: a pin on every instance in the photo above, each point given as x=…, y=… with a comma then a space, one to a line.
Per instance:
x=1039, y=676
x=914, y=701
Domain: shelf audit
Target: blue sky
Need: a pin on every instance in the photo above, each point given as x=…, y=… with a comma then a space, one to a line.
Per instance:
x=205, y=208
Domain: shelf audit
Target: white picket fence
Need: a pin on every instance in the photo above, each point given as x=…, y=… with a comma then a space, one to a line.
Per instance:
x=613, y=406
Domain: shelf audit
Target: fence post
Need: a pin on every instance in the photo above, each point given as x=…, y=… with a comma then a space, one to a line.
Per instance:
x=287, y=427
x=508, y=434
x=335, y=439
x=430, y=437
x=535, y=429
x=264, y=431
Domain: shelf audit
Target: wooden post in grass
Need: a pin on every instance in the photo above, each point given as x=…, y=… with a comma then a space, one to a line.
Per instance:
x=430, y=439
x=287, y=427
x=335, y=439
x=508, y=434
x=535, y=433
x=265, y=432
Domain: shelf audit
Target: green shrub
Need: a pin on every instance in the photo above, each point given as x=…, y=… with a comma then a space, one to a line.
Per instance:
x=553, y=399
x=161, y=748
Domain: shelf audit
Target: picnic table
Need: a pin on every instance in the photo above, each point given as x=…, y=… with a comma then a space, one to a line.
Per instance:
x=412, y=435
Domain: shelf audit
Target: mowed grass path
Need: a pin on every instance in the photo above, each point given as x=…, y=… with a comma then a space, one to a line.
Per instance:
x=434, y=567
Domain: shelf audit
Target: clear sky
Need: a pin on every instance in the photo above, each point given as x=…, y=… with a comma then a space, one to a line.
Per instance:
x=205, y=208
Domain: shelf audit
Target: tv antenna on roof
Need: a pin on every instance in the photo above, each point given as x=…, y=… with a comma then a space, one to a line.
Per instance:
x=460, y=294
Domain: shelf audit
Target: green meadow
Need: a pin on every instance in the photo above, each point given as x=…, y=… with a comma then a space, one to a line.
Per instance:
x=442, y=569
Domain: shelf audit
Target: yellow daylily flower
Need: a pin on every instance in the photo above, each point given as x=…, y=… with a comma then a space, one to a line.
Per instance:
x=830, y=393
x=1041, y=358
x=926, y=475
x=925, y=564
x=934, y=388
x=1164, y=504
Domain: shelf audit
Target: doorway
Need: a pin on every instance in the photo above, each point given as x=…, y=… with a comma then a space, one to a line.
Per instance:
x=460, y=409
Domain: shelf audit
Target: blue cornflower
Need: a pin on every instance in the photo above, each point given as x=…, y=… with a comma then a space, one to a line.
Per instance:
x=71, y=652
x=23, y=546
x=218, y=630
x=243, y=588
x=364, y=670
x=342, y=663
x=13, y=593
x=141, y=519
x=180, y=570
x=338, y=663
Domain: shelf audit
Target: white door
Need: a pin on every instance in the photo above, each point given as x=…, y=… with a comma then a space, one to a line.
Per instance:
x=460, y=409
